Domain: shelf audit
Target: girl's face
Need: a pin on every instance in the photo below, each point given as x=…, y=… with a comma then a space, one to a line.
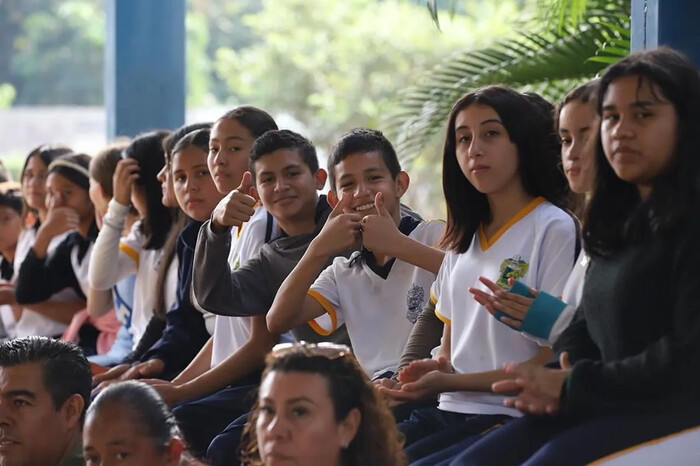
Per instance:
x=639, y=131
x=296, y=421
x=195, y=190
x=61, y=192
x=111, y=437
x=99, y=200
x=34, y=183
x=485, y=153
x=229, y=149
x=166, y=185
x=10, y=228
x=578, y=126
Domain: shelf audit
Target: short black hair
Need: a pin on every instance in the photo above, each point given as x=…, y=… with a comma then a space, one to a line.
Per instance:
x=283, y=139
x=362, y=140
x=66, y=371
x=254, y=119
x=173, y=138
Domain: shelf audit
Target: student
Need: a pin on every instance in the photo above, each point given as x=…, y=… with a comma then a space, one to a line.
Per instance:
x=228, y=366
x=10, y=230
x=129, y=424
x=46, y=271
x=29, y=321
x=114, y=259
x=317, y=407
x=577, y=125
x=120, y=297
x=502, y=186
x=43, y=396
x=629, y=357
x=286, y=176
x=378, y=292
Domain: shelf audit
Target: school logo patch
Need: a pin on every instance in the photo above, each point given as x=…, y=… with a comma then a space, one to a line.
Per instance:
x=415, y=300
x=514, y=268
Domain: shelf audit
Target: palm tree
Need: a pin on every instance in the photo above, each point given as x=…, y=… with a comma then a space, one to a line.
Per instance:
x=578, y=40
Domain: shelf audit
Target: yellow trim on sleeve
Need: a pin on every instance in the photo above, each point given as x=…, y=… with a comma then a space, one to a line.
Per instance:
x=486, y=243
x=443, y=318
x=129, y=251
x=641, y=445
x=433, y=299
x=329, y=309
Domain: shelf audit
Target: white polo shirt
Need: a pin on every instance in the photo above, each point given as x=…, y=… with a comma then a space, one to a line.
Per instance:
x=230, y=333
x=537, y=246
x=379, y=312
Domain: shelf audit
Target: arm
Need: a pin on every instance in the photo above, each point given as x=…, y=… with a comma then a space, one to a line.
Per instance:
x=111, y=260
x=99, y=302
x=60, y=311
x=40, y=277
x=424, y=337
x=416, y=253
x=248, y=359
x=199, y=365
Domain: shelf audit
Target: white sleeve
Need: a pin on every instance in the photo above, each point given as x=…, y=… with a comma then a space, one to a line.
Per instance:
x=557, y=255
x=325, y=291
x=112, y=261
x=442, y=308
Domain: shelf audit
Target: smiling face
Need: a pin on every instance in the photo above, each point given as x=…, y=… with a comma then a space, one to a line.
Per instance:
x=229, y=149
x=485, y=153
x=194, y=188
x=578, y=125
x=287, y=188
x=363, y=175
x=112, y=437
x=32, y=431
x=296, y=421
x=34, y=183
x=639, y=130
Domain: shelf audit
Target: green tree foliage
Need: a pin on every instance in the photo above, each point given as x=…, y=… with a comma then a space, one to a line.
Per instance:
x=338, y=65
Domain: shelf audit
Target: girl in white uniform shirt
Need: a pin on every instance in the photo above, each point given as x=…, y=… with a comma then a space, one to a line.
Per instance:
x=114, y=257
x=502, y=185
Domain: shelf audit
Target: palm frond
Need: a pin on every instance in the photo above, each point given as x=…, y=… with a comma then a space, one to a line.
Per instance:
x=548, y=62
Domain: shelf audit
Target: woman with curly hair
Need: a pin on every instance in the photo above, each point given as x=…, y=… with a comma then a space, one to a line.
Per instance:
x=317, y=407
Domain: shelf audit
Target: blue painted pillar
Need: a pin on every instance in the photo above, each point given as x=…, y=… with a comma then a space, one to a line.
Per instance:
x=674, y=23
x=144, y=65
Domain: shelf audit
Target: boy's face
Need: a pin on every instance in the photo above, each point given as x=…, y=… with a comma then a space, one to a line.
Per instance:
x=286, y=187
x=363, y=175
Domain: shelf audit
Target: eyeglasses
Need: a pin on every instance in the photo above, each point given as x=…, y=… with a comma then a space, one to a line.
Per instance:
x=325, y=349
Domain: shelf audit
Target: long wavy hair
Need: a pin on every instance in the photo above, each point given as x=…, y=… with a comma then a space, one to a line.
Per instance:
x=616, y=213
x=377, y=442
x=528, y=119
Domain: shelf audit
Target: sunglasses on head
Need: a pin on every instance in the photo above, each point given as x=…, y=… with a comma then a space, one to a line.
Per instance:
x=325, y=349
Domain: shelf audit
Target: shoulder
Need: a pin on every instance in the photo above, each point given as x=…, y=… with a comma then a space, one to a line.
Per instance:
x=550, y=217
x=428, y=231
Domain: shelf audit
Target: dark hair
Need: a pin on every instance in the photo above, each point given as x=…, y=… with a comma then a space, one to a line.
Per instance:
x=616, y=214
x=11, y=196
x=47, y=154
x=73, y=167
x=361, y=140
x=254, y=119
x=529, y=122
x=104, y=164
x=283, y=139
x=65, y=370
x=146, y=409
x=173, y=138
x=147, y=150
x=349, y=388
x=584, y=93
x=198, y=138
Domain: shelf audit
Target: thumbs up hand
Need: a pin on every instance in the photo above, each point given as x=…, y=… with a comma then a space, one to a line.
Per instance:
x=380, y=232
x=341, y=231
x=235, y=208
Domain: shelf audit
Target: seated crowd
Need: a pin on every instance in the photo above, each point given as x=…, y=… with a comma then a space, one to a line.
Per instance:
x=189, y=297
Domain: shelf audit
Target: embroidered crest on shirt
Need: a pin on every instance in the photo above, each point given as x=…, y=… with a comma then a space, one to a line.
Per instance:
x=514, y=268
x=415, y=300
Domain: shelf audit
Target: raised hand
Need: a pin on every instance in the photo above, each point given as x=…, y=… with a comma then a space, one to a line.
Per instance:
x=537, y=389
x=59, y=220
x=379, y=232
x=125, y=175
x=341, y=231
x=236, y=207
x=514, y=305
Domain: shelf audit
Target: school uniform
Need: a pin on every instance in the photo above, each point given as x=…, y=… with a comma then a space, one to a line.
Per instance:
x=378, y=304
x=115, y=258
x=538, y=247
x=634, y=345
x=123, y=299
